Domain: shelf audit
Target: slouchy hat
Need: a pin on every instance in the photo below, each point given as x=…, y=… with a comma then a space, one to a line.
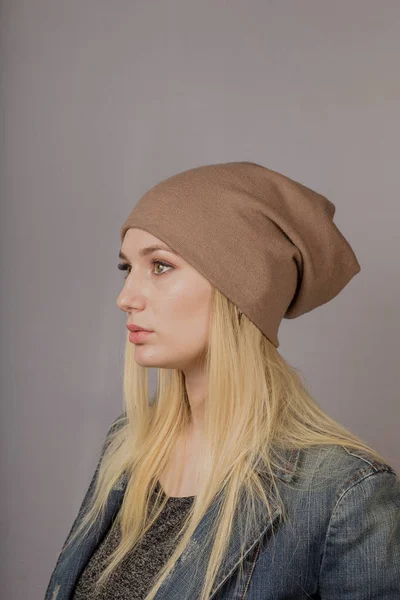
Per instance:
x=267, y=242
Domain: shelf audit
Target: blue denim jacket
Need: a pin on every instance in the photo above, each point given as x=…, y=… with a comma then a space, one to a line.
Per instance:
x=339, y=539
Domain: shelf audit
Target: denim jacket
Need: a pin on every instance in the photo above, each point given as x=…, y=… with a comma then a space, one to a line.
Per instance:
x=338, y=540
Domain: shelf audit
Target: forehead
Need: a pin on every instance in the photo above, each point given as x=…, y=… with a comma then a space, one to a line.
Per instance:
x=143, y=243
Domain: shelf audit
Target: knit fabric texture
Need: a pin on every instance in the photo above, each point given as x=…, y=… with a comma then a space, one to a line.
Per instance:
x=136, y=574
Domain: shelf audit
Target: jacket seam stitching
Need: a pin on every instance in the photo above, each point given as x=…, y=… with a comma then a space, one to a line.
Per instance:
x=376, y=465
x=250, y=574
x=343, y=493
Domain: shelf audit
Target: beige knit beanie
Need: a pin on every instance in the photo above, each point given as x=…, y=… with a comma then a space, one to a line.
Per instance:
x=267, y=242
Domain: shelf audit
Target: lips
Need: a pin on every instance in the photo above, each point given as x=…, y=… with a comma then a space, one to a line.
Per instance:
x=137, y=328
x=139, y=336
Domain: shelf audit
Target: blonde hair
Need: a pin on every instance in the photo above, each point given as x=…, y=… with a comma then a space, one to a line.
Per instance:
x=255, y=402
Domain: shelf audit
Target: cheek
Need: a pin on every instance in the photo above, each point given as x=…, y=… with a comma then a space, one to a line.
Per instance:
x=187, y=303
x=186, y=318
x=187, y=322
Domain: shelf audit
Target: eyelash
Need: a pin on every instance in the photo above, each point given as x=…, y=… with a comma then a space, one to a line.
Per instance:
x=125, y=266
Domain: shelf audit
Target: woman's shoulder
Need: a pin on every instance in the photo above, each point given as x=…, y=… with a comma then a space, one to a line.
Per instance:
x=115, y=426
x=334, y=483
x=119, y=422
x=338, y=468
x=344, y=454
x=346, y=503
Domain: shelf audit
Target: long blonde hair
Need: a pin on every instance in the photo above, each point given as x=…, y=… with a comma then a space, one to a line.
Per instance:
x=255, y=401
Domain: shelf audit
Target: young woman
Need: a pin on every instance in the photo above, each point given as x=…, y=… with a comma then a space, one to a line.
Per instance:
x=230, y=482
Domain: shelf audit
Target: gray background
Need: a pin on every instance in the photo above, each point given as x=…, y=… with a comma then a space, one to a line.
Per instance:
x=101, y=100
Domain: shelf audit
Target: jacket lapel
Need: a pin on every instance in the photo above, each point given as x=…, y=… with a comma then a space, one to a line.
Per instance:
x=189, y=572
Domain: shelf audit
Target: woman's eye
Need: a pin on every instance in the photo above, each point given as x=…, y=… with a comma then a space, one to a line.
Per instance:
x=162, y=263
x=125, y=267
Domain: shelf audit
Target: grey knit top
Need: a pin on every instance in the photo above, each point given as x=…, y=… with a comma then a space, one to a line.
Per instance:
x=136, y=574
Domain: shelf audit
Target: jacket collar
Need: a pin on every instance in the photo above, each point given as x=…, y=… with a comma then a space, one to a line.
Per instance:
x=187, y=573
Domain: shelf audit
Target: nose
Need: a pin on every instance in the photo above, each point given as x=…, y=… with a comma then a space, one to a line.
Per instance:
x=123, y=302
x=129, y=299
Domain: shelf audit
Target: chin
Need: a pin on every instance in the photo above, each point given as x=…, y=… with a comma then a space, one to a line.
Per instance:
x=147, y=359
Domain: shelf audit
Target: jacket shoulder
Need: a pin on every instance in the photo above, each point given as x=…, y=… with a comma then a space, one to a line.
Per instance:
x=119, y=422
x=366, y=460
x=362, y=539
x=339, y=466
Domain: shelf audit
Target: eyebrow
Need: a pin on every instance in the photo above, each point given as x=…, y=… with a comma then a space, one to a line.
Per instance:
x=149, y=250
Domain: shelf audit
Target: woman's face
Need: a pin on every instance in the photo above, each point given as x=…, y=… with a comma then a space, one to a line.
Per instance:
x=166, y=295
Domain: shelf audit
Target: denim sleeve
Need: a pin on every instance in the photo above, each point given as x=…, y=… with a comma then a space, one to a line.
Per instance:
x=361, y=559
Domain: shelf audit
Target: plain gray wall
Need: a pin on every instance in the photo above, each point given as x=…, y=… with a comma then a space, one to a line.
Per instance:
x=101, y=100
